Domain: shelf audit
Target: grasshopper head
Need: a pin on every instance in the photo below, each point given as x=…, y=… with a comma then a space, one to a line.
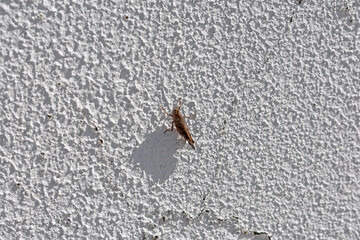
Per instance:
x=175, y=112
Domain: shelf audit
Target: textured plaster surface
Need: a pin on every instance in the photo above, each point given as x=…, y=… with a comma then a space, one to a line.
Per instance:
x=275, y=86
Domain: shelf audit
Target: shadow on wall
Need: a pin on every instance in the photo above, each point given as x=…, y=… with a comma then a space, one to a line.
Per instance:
x=156, y=154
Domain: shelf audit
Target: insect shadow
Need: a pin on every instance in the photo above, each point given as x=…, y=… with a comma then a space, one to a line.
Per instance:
x=156, y=155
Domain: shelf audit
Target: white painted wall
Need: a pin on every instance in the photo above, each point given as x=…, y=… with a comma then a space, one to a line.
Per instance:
x=274, y=84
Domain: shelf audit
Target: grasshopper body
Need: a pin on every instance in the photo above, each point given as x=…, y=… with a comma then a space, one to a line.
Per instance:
x=180, y=124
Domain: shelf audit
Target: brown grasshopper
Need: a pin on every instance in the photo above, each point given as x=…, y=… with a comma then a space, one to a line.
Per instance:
x=180, y=124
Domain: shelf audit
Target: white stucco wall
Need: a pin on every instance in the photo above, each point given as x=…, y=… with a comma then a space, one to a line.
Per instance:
x=274, y=84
